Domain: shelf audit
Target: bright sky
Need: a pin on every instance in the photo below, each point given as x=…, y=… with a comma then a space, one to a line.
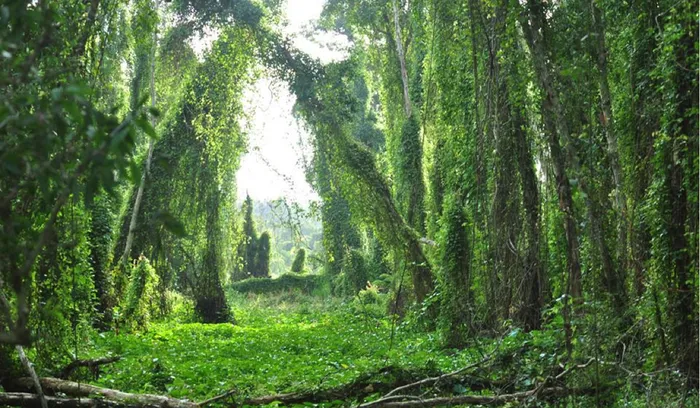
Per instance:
x=278, y=146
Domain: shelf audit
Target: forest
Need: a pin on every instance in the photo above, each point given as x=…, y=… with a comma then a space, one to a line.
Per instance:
x=506, y=212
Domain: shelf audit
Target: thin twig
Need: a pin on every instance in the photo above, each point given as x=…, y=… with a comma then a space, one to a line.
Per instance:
x=218, y=397
x=391, y=394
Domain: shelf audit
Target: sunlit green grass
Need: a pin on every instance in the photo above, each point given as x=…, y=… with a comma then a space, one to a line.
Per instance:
x=289, y=342
x=277, y=345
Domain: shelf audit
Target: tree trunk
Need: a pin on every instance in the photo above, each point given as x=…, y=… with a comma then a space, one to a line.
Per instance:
x=210, y=300
x=533, y=277
x=615, y=279
x=505, y=205
x=79, y=49
x=26, y=400
x=75, y=389
x=555, y=126
x=151, y=142
x=402, y=60
x=34, y=379
x=684, y=215
x=644, y=121
x=609, y=127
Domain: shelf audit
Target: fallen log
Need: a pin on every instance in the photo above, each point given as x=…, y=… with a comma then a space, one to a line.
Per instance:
x=415, y=402
x=356, y=390
x=435, y=380
x=380, y=380
x=25, y=400
x=92, y=364
x=392, y=400
x=75, y=389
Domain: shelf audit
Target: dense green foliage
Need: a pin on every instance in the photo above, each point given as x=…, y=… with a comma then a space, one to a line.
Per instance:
x=299, y=261
x=262, y=255
x=141, y=295
x=253, y=252
x=510, y=176
x=286, y=282
x=289, y=342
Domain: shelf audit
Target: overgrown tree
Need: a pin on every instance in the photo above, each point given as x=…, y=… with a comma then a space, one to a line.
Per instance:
x=262, y=256
x=299, y=261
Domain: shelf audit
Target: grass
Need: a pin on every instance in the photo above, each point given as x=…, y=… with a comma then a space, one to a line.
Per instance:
x=291, y=342
x=280, y=343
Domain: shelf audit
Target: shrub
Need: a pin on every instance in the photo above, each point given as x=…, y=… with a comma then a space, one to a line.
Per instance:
x=181, y=307
x=141, y=300
x=353, y=276
x=299, y=261
x=262, y=256
x=288, y=281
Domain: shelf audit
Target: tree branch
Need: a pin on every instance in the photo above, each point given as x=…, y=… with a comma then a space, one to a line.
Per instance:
x=34, y=378
x=66, y=371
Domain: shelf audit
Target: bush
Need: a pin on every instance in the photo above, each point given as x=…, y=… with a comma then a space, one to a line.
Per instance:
x=141, y=300
x=353, y=276
x=181, y=307
x=369, y=302
x=299, y=261
x=288, y=281
x=262, y=256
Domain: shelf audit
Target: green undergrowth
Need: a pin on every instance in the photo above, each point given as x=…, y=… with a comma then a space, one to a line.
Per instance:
x=280, y=343
x=308, y=284
x=294, y=342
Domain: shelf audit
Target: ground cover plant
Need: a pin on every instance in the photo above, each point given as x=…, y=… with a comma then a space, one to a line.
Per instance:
x=501, y=206
x=292, y=343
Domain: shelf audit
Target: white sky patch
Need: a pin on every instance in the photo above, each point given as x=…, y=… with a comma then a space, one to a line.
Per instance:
x=278, y=148
x=202, y=43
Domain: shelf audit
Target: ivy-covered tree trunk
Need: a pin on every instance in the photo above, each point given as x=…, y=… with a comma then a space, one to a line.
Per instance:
x=608, y=122
x=402, y=60
x=505, y=215
x=339, y=233
x=149, y=156
x=210, y=301
x=410, y=188
x=533, y=279
x=456, y=312
x=102, y=219
x=391, y=227
x=536, y=35
x=641, y=120
x=680, y=163
x=532, y=23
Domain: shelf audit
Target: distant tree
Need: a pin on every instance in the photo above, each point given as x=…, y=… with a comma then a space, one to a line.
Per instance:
x=354, y=276
x=262, y=257
x=246, y=250
x=299, y=260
